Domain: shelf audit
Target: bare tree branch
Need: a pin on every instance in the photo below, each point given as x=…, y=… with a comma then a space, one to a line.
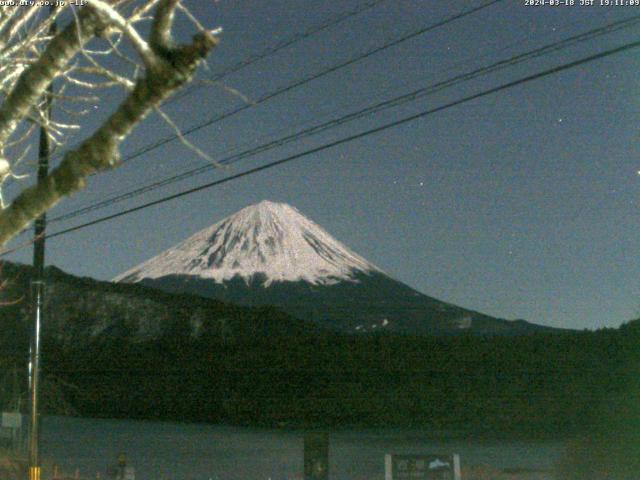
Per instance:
x=31, y=58
x=175, y=67
x=35, y=80
x=141, y=46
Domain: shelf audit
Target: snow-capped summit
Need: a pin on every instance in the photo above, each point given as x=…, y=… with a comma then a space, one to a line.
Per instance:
x=271, y=240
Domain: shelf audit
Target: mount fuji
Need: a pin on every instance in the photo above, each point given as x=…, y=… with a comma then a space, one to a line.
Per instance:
x=271, y=254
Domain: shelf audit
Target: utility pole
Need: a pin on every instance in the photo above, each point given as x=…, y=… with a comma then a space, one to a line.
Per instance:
x=37, y=289
x=316, y=456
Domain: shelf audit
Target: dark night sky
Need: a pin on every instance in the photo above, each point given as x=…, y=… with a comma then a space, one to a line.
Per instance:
x=521, y=204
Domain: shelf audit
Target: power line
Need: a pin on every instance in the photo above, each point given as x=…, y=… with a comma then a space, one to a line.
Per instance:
x=267, y=52
x=396, y=101
x=298, y=83
x=295, y=39
x=424, y=113
x=450, y=68
x=298, y=37
x=217, y=118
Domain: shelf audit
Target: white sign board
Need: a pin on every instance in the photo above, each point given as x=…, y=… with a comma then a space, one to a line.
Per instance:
x=11, y=420
x=422, y=467
x=129, y=473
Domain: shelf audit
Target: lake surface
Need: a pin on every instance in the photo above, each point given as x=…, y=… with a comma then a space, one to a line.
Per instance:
x=163, y=450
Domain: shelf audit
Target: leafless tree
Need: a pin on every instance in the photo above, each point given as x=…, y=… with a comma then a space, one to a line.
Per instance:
x=97, y=46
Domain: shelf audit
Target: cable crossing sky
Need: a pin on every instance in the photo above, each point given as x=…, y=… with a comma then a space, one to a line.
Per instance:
x=393, y=102
x=411, y=118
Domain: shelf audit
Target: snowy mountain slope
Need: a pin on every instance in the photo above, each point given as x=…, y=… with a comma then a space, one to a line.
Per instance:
x=270, y=254
x=269, y=239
